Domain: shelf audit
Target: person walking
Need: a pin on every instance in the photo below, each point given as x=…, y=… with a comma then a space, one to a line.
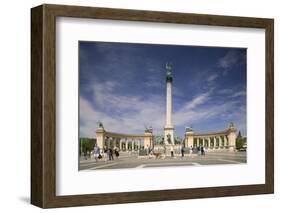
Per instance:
x=96, y=152
x=182, y=151
x=110, y=150
x=198, y=150
x=202, y=150
x=172, y=151
x=147, y=150
x=116, y=152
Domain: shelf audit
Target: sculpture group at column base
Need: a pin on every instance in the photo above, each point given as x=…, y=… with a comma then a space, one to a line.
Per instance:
x=172, y=147
x=169, y=135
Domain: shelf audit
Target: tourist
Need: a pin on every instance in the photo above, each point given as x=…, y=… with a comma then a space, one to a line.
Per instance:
x=172, y=151
x=150, y=150
x=105, y=153
x=116, y=152
x=96, y=152
x=147, y=150
x=182, y=151
x=198, y=150
x=202, y=150
x=110, y=153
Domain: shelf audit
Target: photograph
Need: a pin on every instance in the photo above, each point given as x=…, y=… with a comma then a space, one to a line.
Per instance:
x=158, y=105
x=172, y=105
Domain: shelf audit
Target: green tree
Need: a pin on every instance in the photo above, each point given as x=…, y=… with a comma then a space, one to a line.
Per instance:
x=86, y=145
x=239, y=143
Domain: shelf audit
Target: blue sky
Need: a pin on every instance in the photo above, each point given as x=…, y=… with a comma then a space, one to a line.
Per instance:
x=123, y=86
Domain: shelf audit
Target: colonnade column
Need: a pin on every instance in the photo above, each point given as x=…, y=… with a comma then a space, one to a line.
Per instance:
x=205, y=142
x=225, y=141
x=215, y=142
x=133, y=145
x=120, y=144
x=126, y=147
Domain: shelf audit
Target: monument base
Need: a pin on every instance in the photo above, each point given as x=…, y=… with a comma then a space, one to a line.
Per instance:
x=176, y=148
x=169, y=133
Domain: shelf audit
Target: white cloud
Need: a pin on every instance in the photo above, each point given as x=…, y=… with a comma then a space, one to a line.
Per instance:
x=212, y=77
x=240, y=93
x=129, y=114
x=225, y=91
x=134, y=113
x=198, y=110
x=200, y=99
x=229, y=59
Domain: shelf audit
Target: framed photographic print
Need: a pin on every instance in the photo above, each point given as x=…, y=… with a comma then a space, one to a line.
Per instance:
x=137, y=106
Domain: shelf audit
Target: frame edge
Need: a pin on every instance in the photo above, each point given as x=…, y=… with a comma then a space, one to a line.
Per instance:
x=43, y=70
x=269, y=73
x=37, y=190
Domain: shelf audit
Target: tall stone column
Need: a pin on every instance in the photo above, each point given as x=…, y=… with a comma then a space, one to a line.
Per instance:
x=169, y=128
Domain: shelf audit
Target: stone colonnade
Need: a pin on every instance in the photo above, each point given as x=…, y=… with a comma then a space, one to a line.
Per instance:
x=124, y=142
x=214, y=140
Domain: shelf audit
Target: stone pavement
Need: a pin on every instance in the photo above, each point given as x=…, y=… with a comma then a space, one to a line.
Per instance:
x=127, y=160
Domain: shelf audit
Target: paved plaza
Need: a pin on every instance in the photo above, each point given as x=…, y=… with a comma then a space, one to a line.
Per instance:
x=131, y=160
